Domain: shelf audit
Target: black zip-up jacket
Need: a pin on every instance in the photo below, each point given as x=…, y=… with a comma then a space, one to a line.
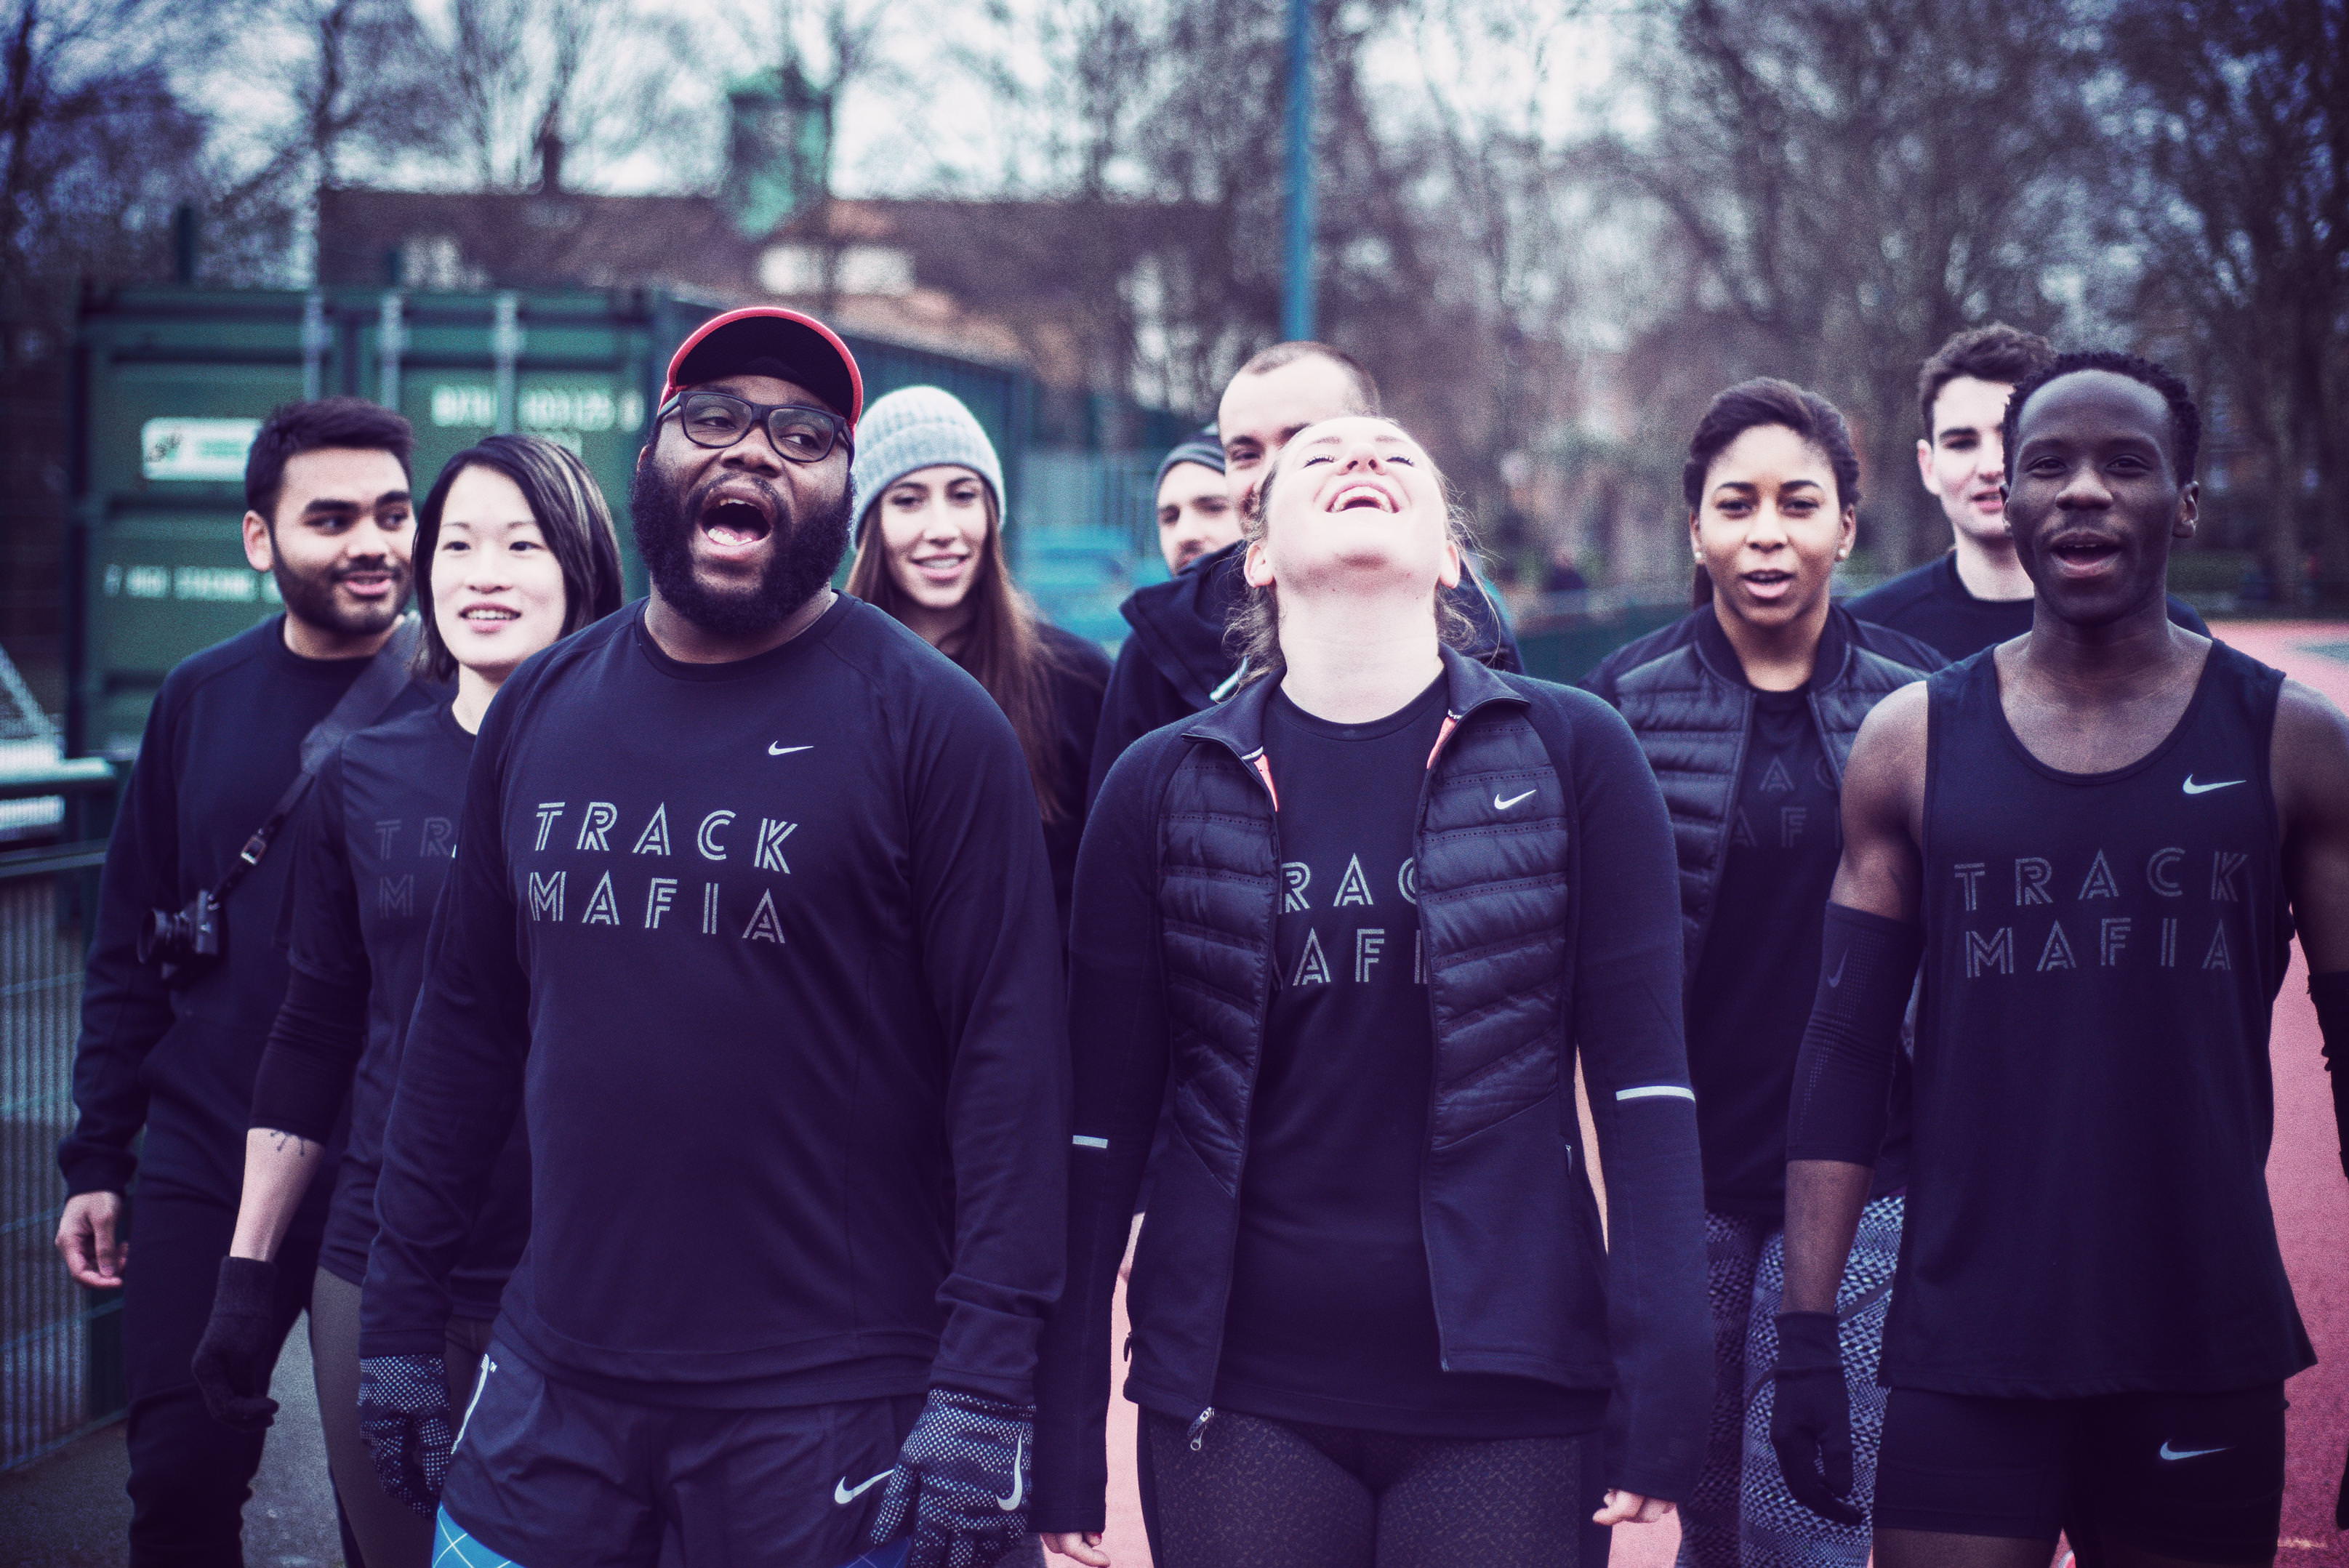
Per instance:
x=1549, y=933
x=1688, y=701
x=1174, y=662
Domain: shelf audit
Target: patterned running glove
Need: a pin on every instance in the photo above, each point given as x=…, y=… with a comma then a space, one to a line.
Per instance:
x=961, y=1483
x=240, y=1346
x=1810, y=1418
x=404, y=1416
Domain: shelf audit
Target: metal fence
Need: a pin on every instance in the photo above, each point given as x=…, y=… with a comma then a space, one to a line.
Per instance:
x=60, y=1345
x=1563, y=636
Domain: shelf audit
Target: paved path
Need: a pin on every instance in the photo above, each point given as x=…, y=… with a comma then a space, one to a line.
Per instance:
x=70, y=1510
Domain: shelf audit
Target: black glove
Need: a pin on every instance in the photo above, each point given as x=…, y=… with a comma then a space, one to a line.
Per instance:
x=1810, y=1418
x=239, y=1349
x=961, y=1483
x=404, y=1417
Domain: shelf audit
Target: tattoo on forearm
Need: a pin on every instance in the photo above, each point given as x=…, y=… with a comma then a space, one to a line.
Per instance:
x=283, y=1140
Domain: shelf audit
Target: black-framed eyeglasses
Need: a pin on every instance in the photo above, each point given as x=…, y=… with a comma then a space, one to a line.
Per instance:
x=802, y=434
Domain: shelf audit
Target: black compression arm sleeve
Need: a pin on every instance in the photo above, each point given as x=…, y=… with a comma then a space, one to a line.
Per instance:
x=1842, y=1079
x=2331, y=994
x=311, y=1057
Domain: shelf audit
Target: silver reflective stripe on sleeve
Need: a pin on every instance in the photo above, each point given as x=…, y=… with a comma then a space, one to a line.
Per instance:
x=1656, y=1091
x=1083, y=1141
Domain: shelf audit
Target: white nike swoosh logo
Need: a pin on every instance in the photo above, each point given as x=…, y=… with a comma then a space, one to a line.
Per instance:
x=844, y=1494
x=2194, y=789
x=1019, y=1479
x=1834, y=981
x=774, y=751
x=2167, y=1451
x=1501, y=805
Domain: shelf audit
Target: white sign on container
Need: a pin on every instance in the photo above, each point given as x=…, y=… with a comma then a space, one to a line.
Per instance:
x=201, y=449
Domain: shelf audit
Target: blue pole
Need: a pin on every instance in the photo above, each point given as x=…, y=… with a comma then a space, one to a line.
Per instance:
x=1296, y=260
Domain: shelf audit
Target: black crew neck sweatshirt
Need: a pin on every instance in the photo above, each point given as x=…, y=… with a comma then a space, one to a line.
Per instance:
x=1932, y=604
x=222, y=741
x=1333, y=1317
x=376, y=850
x=767, y=950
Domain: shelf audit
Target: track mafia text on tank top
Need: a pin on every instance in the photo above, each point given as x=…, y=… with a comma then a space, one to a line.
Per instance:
x=2088, y=1210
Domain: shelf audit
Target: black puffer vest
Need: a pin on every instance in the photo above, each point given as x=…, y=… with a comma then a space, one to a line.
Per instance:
x=1498, y=923
x=1685, y=695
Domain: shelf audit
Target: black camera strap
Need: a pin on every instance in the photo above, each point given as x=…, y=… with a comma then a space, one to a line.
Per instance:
x=368, y=698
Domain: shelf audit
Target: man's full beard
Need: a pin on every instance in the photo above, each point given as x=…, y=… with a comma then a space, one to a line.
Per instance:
x=310, y=596
x=808, y=550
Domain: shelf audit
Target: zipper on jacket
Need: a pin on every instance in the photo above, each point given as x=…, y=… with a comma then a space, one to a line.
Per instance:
x=1418, y=851
x=1260, y=769
x=1453, y=721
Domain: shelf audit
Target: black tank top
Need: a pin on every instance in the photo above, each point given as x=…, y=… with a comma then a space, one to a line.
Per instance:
x=2088, y=1206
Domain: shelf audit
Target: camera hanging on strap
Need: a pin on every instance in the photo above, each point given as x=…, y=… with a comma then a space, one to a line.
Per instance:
x=190, y=941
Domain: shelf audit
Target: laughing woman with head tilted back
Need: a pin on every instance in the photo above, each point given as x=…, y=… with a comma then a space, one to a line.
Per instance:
x=1339, y=944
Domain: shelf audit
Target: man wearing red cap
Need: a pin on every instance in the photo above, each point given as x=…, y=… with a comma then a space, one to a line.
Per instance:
x=752, y=926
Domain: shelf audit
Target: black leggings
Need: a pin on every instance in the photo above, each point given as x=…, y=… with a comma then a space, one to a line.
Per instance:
x=1259, y=1494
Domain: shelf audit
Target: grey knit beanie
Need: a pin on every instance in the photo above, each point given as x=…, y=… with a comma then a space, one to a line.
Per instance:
x=1203, y=448
x=916, y=427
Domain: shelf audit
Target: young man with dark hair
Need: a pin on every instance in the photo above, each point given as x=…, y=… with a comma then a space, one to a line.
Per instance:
x=753, y=920
x=2099, y=840
x=1978, y=593
x=1173, y=663
x=171, y=1034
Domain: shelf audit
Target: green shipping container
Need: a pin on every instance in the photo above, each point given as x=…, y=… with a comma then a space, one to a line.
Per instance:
x=173, y=382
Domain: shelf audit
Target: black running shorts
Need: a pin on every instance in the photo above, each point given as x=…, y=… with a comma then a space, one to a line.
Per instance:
x=553, y=1476
x=2192, y=1476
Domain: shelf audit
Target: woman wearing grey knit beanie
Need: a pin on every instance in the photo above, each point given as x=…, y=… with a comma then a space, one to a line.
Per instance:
x=929, y=492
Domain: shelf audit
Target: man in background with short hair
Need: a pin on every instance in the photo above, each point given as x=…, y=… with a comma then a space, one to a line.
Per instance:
x=1174, y=664
x=169, y=1041
x=1978, y=593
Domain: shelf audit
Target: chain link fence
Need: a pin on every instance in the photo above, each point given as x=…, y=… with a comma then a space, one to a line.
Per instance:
x=60, y=1345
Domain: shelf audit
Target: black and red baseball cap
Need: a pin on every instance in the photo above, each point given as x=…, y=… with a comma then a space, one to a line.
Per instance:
x=811, y=352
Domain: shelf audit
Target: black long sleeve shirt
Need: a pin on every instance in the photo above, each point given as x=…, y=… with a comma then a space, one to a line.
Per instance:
x=767, y=949
x=222, y=741
x=374, y=849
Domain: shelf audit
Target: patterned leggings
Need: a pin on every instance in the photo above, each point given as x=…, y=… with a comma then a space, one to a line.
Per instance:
x=1742, y=1516
x=1261, y=1493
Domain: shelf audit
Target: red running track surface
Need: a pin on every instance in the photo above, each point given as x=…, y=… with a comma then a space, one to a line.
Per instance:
x=2305, y=1178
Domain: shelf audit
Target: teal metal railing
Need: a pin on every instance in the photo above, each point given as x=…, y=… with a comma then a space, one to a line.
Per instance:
x=60, y=1345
